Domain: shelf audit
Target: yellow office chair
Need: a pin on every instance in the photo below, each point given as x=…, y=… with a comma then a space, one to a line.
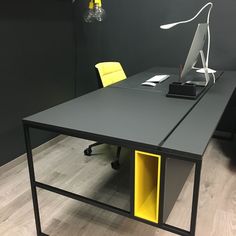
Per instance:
x=110, y=73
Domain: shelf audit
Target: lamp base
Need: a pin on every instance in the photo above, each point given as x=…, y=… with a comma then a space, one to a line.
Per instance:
x=210, y=71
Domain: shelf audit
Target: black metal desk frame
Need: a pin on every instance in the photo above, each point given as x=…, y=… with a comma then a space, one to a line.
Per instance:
x=35, y=184
x=166, y=149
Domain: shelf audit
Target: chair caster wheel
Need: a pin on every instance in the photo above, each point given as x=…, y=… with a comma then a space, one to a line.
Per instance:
x=115, y=165
x=88, y=151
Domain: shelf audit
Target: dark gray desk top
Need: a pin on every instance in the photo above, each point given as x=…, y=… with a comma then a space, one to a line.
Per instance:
x=140, y=118
x=135, y=81
x=195, y=131
x=123, y=114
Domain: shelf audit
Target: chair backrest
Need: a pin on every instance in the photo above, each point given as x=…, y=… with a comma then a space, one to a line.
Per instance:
x=110, y=72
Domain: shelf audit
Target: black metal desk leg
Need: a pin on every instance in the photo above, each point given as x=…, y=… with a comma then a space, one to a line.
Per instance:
x=196, y=188
x=32, y=180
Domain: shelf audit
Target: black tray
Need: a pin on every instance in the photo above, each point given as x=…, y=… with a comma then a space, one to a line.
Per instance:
x=184, y=90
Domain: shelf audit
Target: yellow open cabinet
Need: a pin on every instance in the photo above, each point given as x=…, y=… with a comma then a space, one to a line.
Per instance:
x=147, y=185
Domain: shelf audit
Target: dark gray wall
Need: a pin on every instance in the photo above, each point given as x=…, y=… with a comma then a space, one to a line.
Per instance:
x=36, y=65
x=37, y=51
x=131, y=35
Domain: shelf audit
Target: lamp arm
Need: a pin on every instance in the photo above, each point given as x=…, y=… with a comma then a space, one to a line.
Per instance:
x=198, y=13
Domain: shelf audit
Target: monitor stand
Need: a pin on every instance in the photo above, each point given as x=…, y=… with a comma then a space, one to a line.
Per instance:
x=197, y=81
x=210, y=71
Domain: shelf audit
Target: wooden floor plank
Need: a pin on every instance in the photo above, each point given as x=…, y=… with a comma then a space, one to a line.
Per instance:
x=62, y=164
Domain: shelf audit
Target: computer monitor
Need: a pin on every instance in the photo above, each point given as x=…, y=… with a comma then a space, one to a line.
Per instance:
x=194, y=52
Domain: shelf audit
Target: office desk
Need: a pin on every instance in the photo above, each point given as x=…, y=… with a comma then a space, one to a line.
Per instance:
x=167, y=136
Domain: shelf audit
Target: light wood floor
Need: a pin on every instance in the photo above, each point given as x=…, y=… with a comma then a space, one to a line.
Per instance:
x=62, y=163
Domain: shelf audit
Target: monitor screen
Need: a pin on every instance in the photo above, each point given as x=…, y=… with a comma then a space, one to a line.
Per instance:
x=196, y=46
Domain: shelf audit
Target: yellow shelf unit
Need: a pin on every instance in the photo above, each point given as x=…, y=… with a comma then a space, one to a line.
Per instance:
x=147, y=185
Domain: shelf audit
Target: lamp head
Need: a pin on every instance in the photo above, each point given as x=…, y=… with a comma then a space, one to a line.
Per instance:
x=168, y=26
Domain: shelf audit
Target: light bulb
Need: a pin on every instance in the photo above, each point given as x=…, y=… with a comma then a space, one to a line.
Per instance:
x=99, y=12
x=94, y=12
x=89, y=15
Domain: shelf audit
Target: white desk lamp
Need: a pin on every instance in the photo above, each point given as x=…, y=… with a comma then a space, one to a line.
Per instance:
x=168, y=26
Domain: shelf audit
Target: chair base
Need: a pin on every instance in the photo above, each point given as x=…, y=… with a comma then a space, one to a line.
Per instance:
x=114, y=165
x=87, y=151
